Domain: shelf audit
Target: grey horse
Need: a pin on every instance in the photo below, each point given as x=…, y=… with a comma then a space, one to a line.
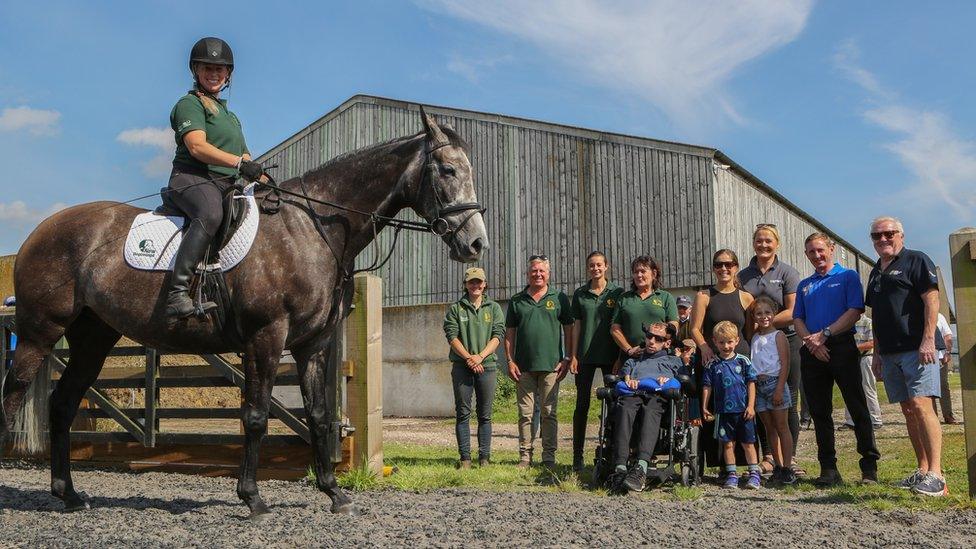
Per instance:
x=288, y=293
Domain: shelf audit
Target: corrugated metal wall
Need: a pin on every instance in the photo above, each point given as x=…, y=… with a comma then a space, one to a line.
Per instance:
x=740, y=205
x=555, y=190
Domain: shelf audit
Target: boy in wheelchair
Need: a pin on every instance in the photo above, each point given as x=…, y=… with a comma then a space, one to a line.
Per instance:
x=648, y=382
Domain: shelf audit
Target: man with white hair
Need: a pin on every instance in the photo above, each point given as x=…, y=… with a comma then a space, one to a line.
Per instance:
x=537, y=358
x=903, y=291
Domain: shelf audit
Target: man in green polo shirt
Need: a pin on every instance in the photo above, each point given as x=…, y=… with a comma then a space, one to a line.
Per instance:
x=536, y=357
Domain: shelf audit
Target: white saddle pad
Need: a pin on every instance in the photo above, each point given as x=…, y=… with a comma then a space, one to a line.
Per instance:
x=154, y=239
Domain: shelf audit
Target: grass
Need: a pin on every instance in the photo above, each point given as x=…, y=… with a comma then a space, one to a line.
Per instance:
x=422, y=468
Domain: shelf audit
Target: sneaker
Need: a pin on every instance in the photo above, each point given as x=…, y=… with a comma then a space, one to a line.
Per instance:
x=828, y=478
x=754, y=482
x=777, y=474
x=788, y=477
x=731, y=481
x=550, y=465
x=911, y=480
x=464, y=464
x=869, y=478
x=878, y=426
x=931, y=485
x=577, y=463
x=806, y=424
x=949, y=420
x=484, y=462
x=845, y=427
x=524, y=462
x=635, y=479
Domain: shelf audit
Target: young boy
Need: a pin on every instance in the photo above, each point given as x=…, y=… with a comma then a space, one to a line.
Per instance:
x=732, y=378
x=656, y=367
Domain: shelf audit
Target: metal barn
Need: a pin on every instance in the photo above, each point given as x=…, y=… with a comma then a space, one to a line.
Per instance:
x=565, y=191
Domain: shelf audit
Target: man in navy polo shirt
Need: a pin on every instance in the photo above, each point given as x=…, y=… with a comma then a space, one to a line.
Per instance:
x=903, y=292
x=828, y=303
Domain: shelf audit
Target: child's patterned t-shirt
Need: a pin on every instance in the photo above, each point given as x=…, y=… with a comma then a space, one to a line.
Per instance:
x=729, y=379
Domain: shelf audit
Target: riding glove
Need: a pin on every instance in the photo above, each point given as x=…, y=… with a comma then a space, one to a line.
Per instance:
x=251, y=171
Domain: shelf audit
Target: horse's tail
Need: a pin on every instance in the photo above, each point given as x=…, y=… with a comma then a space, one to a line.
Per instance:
x=30, y=422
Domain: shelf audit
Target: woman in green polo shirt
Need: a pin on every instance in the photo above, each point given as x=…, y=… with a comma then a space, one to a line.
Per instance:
x=474, y=326
x=210, y=154
x=593, y=306
x=644, y=303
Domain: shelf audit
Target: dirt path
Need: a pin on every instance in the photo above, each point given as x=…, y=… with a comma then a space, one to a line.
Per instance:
x=166, y=510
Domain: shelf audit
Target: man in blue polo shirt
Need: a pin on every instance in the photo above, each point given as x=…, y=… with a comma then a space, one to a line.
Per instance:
x=903, y=292
x=828, y=303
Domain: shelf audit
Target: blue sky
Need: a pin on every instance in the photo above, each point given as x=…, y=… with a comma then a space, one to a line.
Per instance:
x=849, y=109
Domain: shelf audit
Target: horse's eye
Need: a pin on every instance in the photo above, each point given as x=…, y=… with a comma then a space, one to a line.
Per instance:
x=447, y=170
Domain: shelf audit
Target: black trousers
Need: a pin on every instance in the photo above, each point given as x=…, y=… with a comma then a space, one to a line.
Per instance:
x=199, y=194
x=819, y=377
x=650, y=409
x=584, y=386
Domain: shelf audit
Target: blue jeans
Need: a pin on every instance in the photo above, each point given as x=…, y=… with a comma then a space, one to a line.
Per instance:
x=467, y=383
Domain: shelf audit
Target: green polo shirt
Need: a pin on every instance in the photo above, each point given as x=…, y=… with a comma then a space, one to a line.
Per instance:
x=632, y=312
x=474, y=327
x=223, y=131
x=594, y=312
x=538, y=329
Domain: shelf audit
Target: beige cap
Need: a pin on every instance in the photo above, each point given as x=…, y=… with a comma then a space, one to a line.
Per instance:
x=474, y=273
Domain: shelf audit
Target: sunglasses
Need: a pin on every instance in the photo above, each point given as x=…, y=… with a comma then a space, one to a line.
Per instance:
x=886, y=234
x=766, y=226
x=727, y=264
x=658, y=338
x=538, y=258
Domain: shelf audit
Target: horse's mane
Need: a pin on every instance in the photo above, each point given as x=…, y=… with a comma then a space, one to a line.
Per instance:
x=398, y=145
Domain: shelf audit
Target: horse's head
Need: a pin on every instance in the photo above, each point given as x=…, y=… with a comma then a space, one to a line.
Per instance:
x=446, y=197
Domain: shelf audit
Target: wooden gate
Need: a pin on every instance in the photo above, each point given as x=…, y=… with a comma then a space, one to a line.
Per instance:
x=141, y=444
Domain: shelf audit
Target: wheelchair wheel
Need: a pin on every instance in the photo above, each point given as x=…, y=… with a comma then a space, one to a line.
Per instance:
x=691, y=468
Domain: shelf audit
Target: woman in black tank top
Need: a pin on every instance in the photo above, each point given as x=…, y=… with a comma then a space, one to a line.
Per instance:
x=723, y=301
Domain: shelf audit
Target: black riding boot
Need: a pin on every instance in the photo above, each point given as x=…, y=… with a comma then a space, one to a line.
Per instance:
x=191, y=252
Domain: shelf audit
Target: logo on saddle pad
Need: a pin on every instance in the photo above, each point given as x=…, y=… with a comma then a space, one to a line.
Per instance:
x=146, y=248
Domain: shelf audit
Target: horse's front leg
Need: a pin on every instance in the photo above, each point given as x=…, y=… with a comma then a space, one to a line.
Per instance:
x=320, y=393
x=260, y=366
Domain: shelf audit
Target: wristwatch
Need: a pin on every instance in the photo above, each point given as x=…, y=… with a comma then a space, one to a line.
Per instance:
x=826, y=331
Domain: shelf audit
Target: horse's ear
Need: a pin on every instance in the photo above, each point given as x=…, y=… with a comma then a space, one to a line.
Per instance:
x=434, y=134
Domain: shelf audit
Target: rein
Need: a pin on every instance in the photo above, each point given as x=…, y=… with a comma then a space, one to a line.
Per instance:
x=439, y=226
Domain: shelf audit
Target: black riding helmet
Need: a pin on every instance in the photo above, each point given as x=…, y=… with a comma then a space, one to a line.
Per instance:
x=212, y=50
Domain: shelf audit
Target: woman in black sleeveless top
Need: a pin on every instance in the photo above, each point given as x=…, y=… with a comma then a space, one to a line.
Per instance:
x=725, y=300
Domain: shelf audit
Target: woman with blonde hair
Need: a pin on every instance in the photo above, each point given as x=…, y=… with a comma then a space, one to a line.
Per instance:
x=210, y=155
x=777, y=280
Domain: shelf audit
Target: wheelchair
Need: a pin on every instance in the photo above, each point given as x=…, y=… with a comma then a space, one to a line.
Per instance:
x=677, y=439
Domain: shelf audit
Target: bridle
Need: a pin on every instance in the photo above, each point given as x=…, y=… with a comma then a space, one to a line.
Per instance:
x=439, y=225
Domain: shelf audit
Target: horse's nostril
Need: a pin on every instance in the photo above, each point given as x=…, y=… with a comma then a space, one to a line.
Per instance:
x=478, y=245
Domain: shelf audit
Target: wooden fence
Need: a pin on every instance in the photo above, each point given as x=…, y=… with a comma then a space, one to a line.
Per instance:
x=140, y=443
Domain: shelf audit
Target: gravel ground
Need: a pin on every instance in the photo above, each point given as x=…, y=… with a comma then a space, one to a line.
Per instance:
x=168, y=510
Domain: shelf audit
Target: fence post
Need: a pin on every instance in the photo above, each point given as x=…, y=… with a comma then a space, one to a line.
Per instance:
x=150, y=424
x=962, y=251
x=364, y=338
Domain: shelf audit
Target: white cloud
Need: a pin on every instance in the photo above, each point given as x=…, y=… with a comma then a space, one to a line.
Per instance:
x=160, y=139
x=673, y=53
x=473, y=69
x=34, y=121
x=18, y=213
x=942, y=163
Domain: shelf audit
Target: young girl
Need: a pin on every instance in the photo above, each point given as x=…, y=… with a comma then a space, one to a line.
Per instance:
x=771, y=358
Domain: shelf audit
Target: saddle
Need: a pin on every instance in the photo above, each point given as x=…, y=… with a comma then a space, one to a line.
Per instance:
x=234, y=213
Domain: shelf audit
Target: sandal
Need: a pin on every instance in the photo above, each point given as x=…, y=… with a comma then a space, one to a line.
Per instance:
x=798, y=471
x=766, y=466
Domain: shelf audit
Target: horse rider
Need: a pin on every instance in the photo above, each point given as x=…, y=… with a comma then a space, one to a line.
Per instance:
x=210, y=155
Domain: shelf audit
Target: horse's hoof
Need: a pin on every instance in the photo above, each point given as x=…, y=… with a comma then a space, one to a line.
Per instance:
x=347, y=508
x=258, y=512
x=75, y=503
